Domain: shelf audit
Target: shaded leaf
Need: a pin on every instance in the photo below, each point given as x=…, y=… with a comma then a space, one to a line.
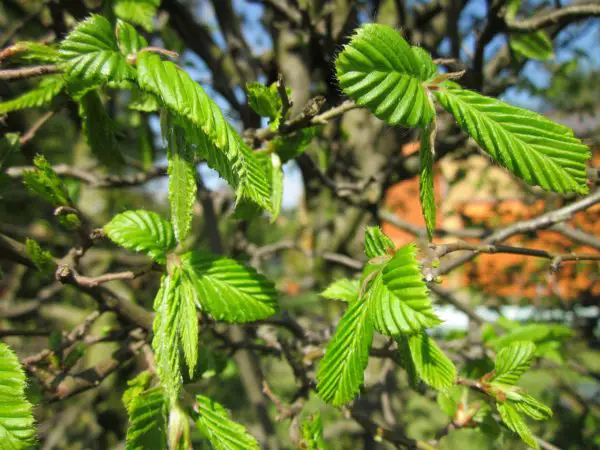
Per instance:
x=426, y=177
x=265, y=102
x=536, y=45
x=44, y=182
x=431, y=364
x=140, y=12
x=343, y=289
x=99, y=130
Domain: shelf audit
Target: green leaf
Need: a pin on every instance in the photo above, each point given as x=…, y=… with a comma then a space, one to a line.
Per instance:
x=165, y=343
x=142, y=231
x=17, y=429
x=398, y=299
x=206, y=127
x=128, y=39
x=292, y=145
x=135, y=387
x=341, y=371
x=99, y=130
x=426, y=178
x=140, y=12
x=515, y=422
x=276, y=185
x=529, y=405
x=466, y=439
x=378, y=69
x=343, y=289
x=229, y=290
x=406, y=361
x=143, y=101
x=35, y=98
x=188, y=323
x=147, y=421
x=312, y=433
x=44, y=182
x=534, y=148
x=9, y=143
x=265, y=102
x=431, y=365
x=34, y=51
x=513, y=361
x=377, y=243
x=182, y=176
x=215, y=424
x=450, y=399
x=91, y=55
x=40, y=257
x=535, y=45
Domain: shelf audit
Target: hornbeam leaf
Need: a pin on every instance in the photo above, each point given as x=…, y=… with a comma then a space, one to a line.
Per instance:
x=535, y=45
x=16, y=420
x=165, y=343
x=182, y=177
x=216, y=140
x=188, y=323
x=515, y=422
x=430, y=363
x=265, y=102
x=147, y=421
x=140, y=12
x=128, y=39
x=379, y=70
x=529, y=405
x=142, y=231
x=35, y=98
x=426, y=177
x=312, y=433
x=99, y=129
x=343, y=289
x=398, y=298
x=91, y=54
x=377, y=243
x=513, y=361
x=44, y=182
x=341, y=371
x=229, y=290
x=34, y=51
x=534, y=148
x=214, y=423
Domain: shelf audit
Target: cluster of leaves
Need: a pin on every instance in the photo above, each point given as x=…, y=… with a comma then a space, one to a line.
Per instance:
x=398, y=82
x=380, y=71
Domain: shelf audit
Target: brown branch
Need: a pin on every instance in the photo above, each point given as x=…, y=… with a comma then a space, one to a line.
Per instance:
x=31, y=132
x=94, y=181
x=543, y=221
x=561, y=16
x=28, y=72
x=305, y=121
